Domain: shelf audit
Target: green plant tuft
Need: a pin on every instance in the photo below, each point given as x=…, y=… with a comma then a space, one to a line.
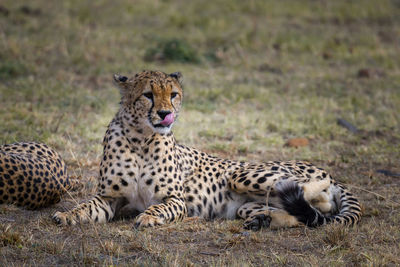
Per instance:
x=172, y=50
x=11, y=69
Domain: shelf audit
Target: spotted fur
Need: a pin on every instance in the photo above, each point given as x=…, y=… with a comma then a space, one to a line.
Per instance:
x=32, y=175
x=143, y=170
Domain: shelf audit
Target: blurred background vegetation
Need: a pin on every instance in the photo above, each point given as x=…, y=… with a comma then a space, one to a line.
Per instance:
x=256, y=74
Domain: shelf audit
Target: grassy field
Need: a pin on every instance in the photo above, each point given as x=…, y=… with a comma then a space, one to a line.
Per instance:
x=256, y=74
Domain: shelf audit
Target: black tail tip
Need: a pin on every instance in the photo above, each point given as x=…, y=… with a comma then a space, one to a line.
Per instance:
x=292, y=199
x=290, y=194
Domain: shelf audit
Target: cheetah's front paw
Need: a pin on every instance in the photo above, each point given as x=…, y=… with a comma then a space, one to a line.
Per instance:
x=146, y=220
x=257, y=222
x=63, y=218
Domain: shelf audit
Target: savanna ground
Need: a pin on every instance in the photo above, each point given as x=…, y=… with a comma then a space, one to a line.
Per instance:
x=256, y=74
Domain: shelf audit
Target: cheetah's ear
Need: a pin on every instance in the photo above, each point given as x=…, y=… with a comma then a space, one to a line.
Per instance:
x=121, y=81
x=120, y=78
x=177, y=75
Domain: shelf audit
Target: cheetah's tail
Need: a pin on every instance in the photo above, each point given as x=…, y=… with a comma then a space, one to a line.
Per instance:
x=292, y=199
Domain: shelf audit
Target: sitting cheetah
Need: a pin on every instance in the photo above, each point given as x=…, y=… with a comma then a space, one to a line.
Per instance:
x=143, y=170
x=32, y=175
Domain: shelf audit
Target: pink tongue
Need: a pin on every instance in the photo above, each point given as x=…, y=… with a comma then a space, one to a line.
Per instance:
x=168, y=120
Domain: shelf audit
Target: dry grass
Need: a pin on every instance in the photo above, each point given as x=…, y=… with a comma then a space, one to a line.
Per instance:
x=265, y=72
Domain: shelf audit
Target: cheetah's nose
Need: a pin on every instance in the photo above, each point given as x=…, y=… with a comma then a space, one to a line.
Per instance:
x=167, y=117
x=163, y=113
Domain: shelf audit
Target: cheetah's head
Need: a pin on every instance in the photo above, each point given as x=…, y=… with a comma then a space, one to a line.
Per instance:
x=151, y=98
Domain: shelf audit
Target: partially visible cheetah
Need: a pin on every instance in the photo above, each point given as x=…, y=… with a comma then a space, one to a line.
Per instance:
x=144, y=170
x=32, y=175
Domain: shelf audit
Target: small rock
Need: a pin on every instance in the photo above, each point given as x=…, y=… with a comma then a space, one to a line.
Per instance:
x=297, y=142
x=245, y=233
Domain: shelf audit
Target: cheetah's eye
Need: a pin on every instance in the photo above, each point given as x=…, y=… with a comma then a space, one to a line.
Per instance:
x=149, y=95
x=173, y=95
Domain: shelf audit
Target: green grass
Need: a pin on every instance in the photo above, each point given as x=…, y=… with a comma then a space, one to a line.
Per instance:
x=260, y=73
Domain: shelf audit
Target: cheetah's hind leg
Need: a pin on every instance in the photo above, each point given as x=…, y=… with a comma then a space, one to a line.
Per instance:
x=257, y=215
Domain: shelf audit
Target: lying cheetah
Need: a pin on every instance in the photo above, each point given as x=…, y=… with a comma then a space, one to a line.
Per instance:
x=32, y=175
x=144, y=170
